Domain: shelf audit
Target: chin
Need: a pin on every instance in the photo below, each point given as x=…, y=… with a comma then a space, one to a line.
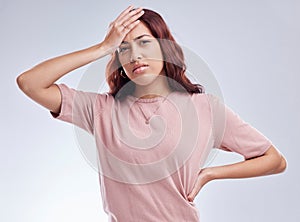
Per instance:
x=145, y=79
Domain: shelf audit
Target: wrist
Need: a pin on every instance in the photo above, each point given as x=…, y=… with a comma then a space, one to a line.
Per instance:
x=209, y=174
x=105, y=49
x=100, y=50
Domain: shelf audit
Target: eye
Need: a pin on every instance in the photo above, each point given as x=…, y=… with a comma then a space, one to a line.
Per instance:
x=123, y=49
x=144, y=42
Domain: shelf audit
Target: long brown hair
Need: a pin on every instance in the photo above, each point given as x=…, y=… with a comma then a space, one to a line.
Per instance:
x=174, y=65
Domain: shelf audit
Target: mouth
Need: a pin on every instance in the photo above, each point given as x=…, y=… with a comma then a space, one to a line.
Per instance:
x=139, y=68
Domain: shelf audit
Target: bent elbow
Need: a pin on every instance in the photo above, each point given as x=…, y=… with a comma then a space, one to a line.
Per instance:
x=26, y=84
x=282, y=166
x=21, y=82
x=277, y=162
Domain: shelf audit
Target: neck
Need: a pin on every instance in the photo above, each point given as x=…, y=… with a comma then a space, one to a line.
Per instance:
x=159, y=87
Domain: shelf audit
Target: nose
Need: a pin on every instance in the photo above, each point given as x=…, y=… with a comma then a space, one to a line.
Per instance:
x=135, y=54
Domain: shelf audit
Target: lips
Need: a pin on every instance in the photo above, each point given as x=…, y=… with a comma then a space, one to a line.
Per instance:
x=139, y=68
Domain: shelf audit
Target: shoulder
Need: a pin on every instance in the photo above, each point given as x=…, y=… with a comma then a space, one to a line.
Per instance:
x=210, y=102
x=86, y=98
x=198, y=101
x=202, y=98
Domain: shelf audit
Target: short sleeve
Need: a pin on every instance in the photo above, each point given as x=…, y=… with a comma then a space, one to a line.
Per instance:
x=234, y=134
x=77, y=107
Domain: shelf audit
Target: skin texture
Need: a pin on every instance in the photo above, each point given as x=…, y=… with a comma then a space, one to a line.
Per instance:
x=39, y=84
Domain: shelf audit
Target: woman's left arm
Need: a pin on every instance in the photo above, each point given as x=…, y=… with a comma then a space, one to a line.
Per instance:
x=271, y=162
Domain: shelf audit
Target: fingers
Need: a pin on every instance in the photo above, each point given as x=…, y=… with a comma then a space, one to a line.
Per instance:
x=193, y=194
x=127, y=19
x=131, y=26
x=200, y=182
x=195, y=190
x=122, y=25
x=131, y=16
x=130, y=22
x=127, y=10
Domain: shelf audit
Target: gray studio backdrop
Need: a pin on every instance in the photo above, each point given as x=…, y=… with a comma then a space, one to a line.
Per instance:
x=252, y=47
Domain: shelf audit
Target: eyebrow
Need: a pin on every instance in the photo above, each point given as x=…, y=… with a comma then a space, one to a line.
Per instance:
x=139, y=37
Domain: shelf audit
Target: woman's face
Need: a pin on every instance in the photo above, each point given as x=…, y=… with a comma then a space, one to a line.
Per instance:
x=141, y=56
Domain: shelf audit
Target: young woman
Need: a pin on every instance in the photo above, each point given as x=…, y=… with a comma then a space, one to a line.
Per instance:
x=154, y=128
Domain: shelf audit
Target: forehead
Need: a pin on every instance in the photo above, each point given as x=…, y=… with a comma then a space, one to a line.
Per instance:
x=137, y=31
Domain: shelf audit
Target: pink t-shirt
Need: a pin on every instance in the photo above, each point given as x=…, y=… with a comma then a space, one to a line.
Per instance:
x=146, y=170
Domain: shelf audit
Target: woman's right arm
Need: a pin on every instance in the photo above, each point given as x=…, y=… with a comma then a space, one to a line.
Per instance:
x=39, y=82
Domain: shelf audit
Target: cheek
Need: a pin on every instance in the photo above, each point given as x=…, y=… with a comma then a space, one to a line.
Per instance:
x=127, y=68
x=155, y=58
x=154, y=52
x=156, y=66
